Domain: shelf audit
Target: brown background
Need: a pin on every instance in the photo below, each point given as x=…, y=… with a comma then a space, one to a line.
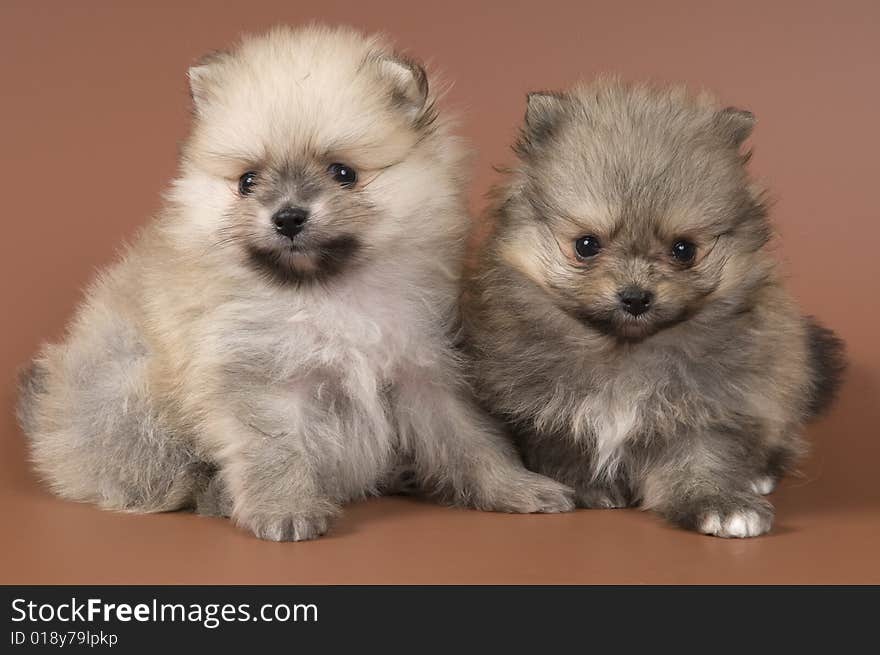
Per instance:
x=94, y=102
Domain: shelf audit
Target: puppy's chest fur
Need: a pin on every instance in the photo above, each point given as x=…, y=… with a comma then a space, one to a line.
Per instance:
x=321, y=366
x=360, y=337
x=632, y=401
x=610, y=415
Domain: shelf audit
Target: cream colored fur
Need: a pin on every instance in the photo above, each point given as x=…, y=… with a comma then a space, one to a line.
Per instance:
x=186, y=360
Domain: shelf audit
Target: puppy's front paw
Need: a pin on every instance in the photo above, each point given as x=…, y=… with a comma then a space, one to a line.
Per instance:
x=289, y=527
x=530, y=493
x=599, y=497
x=738, y=517
x=738, y=524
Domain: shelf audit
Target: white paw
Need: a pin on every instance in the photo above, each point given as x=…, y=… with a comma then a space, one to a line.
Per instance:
x=746, y=523
x=764, y=485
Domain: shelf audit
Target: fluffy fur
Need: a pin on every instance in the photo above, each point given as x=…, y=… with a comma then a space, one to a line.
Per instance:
x=692, y=407
x=224, y=365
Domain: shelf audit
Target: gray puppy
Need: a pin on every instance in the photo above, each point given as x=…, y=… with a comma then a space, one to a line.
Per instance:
x=627, y=320
x=287, y=321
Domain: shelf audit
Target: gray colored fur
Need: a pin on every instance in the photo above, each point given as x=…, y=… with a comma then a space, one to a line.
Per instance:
x=694, y=408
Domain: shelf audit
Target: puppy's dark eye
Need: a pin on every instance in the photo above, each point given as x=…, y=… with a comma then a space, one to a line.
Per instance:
x=684, y=251
x=344, y=174
x=587, y=246
x=247, y=182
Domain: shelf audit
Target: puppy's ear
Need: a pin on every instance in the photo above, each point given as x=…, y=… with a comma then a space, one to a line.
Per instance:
x=735, y=124
x=543, y=112
x=407, y=80
x=202, y=76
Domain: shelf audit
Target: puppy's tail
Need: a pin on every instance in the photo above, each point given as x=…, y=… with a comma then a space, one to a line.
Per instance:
x=827, y=360
x=31, y=385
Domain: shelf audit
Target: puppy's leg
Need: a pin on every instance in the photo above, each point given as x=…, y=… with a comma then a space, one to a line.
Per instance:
x=707, y=486
x=780, y=462
x=96, y=432
x=272, y=481
x=601, y=496
x=557, y=456
x=213, y=498
x=460, y=457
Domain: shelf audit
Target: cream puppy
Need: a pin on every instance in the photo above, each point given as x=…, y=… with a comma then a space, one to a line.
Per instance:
x=279, y=340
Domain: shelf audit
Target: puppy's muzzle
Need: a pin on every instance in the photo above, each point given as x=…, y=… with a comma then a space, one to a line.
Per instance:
x=635, y=300
x=289, y=221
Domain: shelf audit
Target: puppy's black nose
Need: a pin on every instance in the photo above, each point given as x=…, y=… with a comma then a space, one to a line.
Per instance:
x=635, y=300
x=289, y=221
